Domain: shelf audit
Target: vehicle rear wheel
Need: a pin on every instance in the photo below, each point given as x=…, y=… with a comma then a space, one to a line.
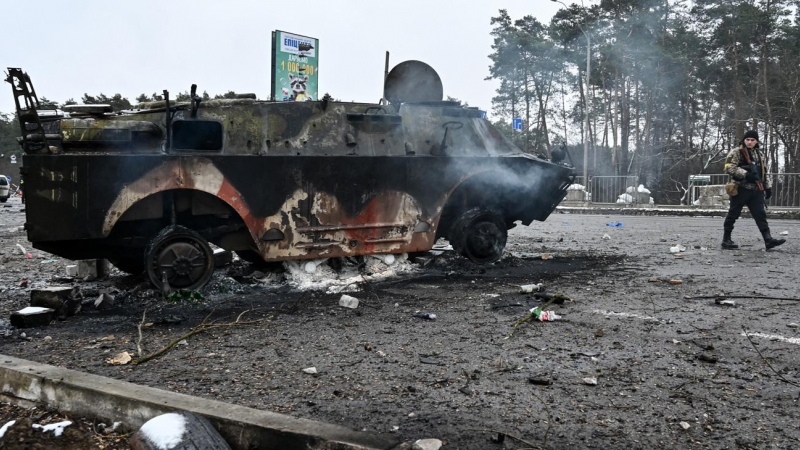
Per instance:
x=133, y=266
x=480, y=235
x=181, y=256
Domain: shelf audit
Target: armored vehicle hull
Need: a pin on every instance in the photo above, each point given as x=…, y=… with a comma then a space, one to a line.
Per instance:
x=150, y=188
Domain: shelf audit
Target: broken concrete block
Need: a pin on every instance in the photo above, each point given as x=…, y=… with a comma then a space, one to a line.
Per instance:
x=72, y=270
x=104, y=301
x=33, y=316
x=92, y=268
x=222, y=257
x=63, y=299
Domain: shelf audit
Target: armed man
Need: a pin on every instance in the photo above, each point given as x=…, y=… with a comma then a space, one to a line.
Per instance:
x=748, y=185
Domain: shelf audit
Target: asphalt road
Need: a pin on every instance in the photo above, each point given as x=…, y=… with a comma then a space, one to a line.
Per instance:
x=672, y=369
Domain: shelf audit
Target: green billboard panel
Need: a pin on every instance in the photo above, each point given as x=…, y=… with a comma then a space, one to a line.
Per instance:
x=294, y=67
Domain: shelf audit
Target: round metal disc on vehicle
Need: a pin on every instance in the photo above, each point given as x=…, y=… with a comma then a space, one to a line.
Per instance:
x=480, y=235
x=412, y=82
x=180, y=257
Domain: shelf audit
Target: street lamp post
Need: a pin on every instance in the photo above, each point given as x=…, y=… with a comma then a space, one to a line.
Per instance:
x=585, y=101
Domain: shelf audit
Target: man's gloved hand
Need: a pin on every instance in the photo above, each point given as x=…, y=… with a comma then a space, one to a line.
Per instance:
x=767, y=193
x=751, y=177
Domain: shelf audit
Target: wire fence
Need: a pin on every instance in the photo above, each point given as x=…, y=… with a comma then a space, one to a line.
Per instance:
x=785, y=188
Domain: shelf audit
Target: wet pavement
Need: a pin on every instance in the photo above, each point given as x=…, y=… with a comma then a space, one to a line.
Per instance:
x=672, y=369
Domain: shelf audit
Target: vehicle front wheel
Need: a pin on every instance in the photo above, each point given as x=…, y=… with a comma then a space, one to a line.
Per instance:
x=480, y=235
x=181, y=257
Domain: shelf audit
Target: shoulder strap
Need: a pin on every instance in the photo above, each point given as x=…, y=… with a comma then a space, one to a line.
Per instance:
x=745, y=154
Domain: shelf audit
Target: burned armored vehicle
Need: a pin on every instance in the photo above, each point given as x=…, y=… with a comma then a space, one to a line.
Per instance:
x=151, y=187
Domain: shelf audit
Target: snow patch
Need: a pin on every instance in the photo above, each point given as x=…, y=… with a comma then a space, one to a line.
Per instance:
x=6, y=427
x=627, y=315
x=56, y=428
x=32, y=310
x=576, y=187
x=774, y=337
x=165, y=431
x=324, y=278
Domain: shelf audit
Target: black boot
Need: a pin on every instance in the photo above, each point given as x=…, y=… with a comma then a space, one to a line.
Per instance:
x=727, y=243
x=771, y=242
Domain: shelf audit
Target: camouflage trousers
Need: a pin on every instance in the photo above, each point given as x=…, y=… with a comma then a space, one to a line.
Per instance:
x=754, y=200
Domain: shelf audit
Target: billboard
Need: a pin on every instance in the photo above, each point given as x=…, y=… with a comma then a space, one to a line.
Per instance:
x=294, y=67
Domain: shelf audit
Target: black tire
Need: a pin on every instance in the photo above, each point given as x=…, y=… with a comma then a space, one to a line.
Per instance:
x=133, y=266
x=182, y=255
x=480, y=235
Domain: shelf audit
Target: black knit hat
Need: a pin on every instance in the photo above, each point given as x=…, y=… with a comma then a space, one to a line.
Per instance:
x=750, y=134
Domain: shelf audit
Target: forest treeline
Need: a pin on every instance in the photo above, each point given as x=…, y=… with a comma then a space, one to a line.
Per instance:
x=673, y=85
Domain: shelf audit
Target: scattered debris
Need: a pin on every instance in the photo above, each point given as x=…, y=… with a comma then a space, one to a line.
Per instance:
x=793, y=325
x=684, y=425
x=426, y=316
x=63, y=299
x=590, y=381
x=104, y=301
x=722, y=302
x=677, y=249
x=72, y=270
x=675, y=281
x=528, y=288
x=606, y=237
x=222, y=257
x=347, y=301
x=614, y=224
x=540, y=380
x=547, y=256
x=91, y=269
x=784, y=233
x=33, y=316
x=310, y=370
x=120, y=359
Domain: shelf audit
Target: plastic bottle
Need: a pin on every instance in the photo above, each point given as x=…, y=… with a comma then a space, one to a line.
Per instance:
x=528, y=288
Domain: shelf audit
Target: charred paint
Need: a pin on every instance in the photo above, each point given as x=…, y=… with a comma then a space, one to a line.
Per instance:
x=306, y=179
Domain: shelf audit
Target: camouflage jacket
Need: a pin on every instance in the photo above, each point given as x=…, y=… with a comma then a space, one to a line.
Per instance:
x=737, y=168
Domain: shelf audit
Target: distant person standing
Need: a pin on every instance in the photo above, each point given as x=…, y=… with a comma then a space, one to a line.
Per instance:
x=749, y=186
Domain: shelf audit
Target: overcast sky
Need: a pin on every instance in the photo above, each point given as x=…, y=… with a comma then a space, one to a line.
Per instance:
x=132, y=47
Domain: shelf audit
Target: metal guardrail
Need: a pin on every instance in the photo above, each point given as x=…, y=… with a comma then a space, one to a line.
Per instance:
x=624, y=189
x=611, y=190
x=785, y=188
x=614, y=189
